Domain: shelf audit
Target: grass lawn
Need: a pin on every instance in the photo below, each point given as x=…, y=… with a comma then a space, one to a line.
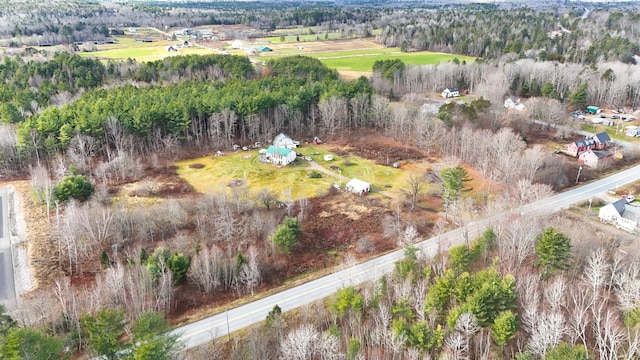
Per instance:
x=362, y=60
x=218, y=172
x=379, y=176
x=146, y=52
x=611, y=130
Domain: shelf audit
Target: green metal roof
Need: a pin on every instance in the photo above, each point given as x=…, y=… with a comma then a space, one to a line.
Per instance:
x=274, y=150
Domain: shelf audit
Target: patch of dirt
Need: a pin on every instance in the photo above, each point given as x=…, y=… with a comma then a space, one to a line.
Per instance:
x=235, y=183
x=377, y=147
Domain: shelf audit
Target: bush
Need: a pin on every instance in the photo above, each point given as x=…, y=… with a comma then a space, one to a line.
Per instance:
x=314, y=175
x=73, y=187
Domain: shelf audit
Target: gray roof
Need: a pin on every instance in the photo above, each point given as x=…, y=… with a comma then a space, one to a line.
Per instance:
x=620, y=205
x=631, y=212
x=602, y=137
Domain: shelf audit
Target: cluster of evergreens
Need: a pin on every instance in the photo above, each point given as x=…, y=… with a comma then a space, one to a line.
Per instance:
x=181, y=109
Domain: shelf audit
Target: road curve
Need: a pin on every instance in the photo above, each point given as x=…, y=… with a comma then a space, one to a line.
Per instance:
x=235, y=319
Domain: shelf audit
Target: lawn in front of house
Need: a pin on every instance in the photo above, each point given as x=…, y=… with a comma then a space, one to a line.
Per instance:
x=243, y=167
x=379, y=176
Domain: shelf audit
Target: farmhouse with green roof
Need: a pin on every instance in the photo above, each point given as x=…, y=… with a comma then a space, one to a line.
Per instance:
x=280, y=155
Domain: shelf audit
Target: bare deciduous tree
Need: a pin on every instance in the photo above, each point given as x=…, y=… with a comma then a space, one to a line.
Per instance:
x=300, y=344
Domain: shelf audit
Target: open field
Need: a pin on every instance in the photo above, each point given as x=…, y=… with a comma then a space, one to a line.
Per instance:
x=355, y=167
x=355, y=58
x=243, y=167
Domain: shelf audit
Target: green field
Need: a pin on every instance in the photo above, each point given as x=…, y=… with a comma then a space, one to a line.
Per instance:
x=363, y=60
x=146, y=52
x=218, y=172
x=378, y=176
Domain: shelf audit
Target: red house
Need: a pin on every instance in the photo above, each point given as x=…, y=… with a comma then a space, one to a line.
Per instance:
x=593, y=159
x=598, y=141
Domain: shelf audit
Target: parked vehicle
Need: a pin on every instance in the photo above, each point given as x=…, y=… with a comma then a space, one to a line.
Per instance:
x=629, y=198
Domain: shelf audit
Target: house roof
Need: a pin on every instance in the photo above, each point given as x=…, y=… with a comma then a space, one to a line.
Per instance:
x=358, y=184
x=585, y=142
x=619, y=205
x=631, y=212
x=601, y=154
x=264, y=48
x=275, y=150
x=282, y=140
x=453, y=89
x=602, y=137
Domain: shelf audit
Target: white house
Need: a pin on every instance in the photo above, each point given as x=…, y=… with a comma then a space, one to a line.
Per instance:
x=513, y=103
x=450, y=93
x=237, y=44
x=284, y=141
x=358, y=186
x=621, y=214
x=280, y=156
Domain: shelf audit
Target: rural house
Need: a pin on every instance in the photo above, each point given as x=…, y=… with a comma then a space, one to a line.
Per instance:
x=633, y=131
x=578, y=147
x=621, y=214
x=280, y=155
x=358, y=187
x=595, y=158
x=598, y=141
x=602, y=140
x=284, y=141
x=450, y=93
x=513, y=103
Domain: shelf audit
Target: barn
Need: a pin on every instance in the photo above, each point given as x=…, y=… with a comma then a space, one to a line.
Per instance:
x=284, y=141
x=358, y=186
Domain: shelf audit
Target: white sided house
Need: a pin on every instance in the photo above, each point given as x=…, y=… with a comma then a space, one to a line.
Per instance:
x=358, y=187
x=284, y=141
x=280, y=156
x=450, y=93
x=621, y=214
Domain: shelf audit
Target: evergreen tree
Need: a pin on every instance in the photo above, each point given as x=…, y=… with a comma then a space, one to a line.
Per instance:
x=553, y=249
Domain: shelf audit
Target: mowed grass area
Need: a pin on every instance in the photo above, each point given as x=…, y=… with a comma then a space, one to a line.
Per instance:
x=244, y=166
x=217, y=173
x=380, y=177
x=363, y=60
x=144, y=53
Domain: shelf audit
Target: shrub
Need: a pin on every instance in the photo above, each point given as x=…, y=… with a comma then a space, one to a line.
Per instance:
x=315, y=175
x=73, y=187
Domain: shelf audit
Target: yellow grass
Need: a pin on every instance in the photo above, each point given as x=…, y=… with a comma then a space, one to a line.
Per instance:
x=243, y=166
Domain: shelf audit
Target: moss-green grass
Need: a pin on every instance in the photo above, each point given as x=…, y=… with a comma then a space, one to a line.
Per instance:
x=363, y=60
x=218, y=172
x=379, y=176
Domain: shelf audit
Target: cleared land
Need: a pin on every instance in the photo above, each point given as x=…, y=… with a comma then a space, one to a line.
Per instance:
x=212, y=174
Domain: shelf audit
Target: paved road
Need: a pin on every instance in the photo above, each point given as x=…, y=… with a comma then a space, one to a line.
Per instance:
x=235, y=319
x=7, y=287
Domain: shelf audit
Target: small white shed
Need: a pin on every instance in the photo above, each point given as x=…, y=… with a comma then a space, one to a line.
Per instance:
x=358, y=186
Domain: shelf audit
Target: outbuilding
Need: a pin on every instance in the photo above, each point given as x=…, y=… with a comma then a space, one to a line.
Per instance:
x=358, y=187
